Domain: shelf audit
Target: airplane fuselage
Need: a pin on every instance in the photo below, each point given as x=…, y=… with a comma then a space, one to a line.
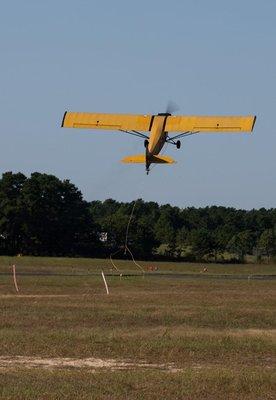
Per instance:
x=157, y=136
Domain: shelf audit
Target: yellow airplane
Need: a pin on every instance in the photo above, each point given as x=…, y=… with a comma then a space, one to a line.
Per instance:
x=158, y=127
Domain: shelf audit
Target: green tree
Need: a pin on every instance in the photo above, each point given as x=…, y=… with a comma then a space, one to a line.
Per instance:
x=166, y=227
x=267, y=243
x=181, y=240
x=11, y=212
x=56, y=219
x=202, y=243
x=241, y=244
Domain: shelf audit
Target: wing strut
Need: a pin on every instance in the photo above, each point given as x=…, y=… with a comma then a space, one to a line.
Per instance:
x=171, y=140
x=135, y=133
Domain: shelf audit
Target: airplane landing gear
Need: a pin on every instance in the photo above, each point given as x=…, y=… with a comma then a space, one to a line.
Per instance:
x=146, y=143
x=178, y=144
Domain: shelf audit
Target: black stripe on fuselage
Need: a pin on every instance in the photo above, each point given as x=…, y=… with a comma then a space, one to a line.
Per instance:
x=164, y=123
x=151, y=122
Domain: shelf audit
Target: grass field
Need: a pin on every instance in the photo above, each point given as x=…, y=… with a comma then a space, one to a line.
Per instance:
x=62, y=337
x=86, y=265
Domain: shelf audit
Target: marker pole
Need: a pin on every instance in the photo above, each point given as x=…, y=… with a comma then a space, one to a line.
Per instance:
x=105, y=284
x=14, y=278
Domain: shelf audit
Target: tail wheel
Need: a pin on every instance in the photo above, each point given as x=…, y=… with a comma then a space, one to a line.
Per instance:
x=178, y=144
x=146, y=143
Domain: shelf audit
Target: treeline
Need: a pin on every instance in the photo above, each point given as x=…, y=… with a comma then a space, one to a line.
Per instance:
x=42, y=215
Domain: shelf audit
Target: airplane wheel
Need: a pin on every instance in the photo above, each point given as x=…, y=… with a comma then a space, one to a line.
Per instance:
x=178, y=144
x=146, y=143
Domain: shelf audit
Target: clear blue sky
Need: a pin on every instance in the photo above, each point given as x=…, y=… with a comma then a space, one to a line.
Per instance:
x=210, y=57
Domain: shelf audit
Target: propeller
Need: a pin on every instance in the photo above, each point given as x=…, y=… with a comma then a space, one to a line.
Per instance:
x=172, y=107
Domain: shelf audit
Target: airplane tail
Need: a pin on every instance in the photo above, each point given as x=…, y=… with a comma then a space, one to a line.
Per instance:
x=142, y=159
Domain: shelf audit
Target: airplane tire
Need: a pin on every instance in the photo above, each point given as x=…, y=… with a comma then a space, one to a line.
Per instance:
x=146, y=143
x=178, y=144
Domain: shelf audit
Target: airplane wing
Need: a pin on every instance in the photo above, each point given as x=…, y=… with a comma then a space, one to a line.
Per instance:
x=192, y=123
x=107, y=121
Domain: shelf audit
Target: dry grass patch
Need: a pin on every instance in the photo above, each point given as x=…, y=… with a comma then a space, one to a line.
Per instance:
x=215, y=383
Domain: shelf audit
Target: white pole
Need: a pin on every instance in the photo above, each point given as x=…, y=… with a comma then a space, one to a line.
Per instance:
x=14, y=278
x=106, y=287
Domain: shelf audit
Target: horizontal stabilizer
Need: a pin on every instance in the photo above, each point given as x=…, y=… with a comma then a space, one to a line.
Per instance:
x=141, y=159
x=161, y=160
x=137, y=159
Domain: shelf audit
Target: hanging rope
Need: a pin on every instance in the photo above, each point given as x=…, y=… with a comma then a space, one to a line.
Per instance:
x=129, y=221
x=111, y=260
x=126, y=248
x=135, y=262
